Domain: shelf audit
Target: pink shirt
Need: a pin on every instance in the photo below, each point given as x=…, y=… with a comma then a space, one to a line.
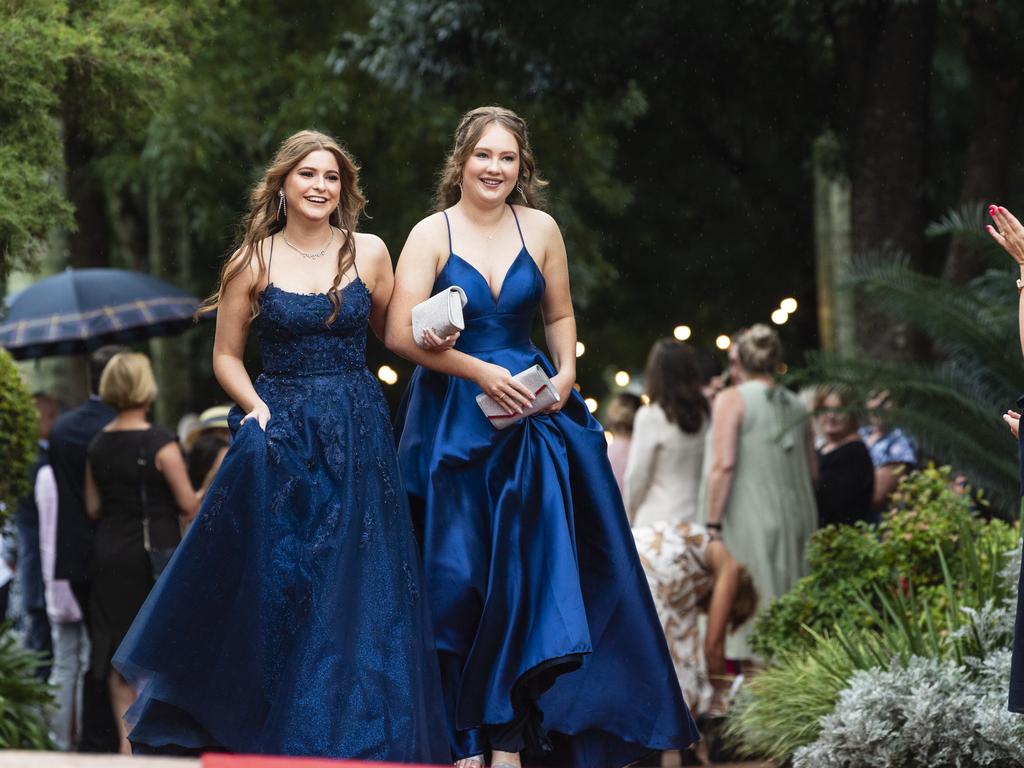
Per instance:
x=61, y=606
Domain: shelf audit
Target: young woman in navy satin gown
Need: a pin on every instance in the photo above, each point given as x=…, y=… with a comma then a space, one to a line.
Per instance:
x=543, y=619
x=291, y=619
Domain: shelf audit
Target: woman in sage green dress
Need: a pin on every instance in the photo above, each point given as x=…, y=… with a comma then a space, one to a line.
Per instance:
x=758, y=494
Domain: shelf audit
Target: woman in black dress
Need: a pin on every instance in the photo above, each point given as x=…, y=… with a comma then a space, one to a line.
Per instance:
x=135, y=472
x=846, y=475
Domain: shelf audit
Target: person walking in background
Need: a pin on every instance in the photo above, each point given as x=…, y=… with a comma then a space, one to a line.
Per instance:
x=691, y=572
x=892, y=452
x=292, y=619
x=29, y=574
x=70, y=640
x=543, y=618
x=619, y=423
x=137, y=487
x=759, y=490
x=69, y=440
x=844, y=490
x=667, y=457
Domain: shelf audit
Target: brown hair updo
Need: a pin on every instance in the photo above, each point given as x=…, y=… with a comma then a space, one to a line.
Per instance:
x=760, y=349
x=529, y=185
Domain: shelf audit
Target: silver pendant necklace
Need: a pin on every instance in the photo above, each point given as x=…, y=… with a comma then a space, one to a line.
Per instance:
x=309, y=254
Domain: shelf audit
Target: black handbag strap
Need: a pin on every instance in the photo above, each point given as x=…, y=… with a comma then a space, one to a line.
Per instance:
x=143, y=495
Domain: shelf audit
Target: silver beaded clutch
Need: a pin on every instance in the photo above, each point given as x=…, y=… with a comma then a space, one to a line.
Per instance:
x=537, y=382
x=441, y=313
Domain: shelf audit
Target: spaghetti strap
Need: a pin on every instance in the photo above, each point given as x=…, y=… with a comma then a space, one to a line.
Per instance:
x=270, y=260
x=521, y=238
x=448, y=224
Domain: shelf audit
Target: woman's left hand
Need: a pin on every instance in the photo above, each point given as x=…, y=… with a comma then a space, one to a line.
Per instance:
x=1008, y=232
x=564, y=385
x=434, y=343
x=1012, y=419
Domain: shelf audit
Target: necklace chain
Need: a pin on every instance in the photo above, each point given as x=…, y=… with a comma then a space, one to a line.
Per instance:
x=498, y=225
x=308, y=254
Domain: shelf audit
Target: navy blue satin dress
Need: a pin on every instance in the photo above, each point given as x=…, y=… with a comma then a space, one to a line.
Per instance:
x=538, y=597
x=292, y=620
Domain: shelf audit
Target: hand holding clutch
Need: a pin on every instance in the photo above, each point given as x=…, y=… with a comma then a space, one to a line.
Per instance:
x=441, y=313
x=534, y=378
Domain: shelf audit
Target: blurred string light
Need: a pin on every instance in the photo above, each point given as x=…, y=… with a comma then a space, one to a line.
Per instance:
x=780, y=316
x=723, y=342
x=591, y=404
x=622, y=379
x=788, y=306
x=645, y=399
x=682, y=332
x=387, y=374
x=580, y=348
x=609, y=437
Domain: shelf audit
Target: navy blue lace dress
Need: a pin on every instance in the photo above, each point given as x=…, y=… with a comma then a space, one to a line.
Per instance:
x=291, y=619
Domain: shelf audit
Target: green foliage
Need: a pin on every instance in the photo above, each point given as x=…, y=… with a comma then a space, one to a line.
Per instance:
x=925, y=529
x=18, y=434
x=99, y=66
x=35, y=45
x=23, y=697
x=897, y=628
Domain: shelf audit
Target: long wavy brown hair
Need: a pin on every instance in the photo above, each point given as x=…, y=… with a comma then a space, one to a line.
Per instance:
x=264, y=220
x=673, y=381
x=529, y=186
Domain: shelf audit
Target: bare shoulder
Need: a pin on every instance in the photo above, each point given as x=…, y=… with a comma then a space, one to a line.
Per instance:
x=728, y=403
x=537, y=220
x=430, y=228
x=370, y=247
x=253, y=261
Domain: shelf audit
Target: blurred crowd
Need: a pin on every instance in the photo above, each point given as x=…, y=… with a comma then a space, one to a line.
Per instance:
x=111, y=495
x=725, y=475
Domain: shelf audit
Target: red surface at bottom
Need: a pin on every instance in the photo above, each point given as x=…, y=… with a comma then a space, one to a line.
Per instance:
x=263, y=761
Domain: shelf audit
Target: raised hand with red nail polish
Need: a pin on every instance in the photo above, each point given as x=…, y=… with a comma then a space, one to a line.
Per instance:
x=1007, y=231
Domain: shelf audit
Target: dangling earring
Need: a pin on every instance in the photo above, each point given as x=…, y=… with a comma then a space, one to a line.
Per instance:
x=522, y=193
x=282, y=206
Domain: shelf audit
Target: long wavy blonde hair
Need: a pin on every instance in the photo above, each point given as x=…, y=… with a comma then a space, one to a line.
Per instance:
x=263, y=219
x=529, y=185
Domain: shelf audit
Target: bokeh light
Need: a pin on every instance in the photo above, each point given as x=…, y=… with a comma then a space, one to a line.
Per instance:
x=580, y=348
x=387, y=374
x=591, y=404
x=788, y=306
x=780, y=316
x=622, y=379
x=682, y=332
x=723, y=342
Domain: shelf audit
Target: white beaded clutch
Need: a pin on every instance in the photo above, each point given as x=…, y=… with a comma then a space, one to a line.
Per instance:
x=441, y=313
x=537, y=382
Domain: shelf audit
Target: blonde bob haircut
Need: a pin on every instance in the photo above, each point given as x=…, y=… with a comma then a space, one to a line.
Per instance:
x=127, y=381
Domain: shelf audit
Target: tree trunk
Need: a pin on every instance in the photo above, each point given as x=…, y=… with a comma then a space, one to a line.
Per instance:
x=169, y=259
x=884, y=56
x=833, y=246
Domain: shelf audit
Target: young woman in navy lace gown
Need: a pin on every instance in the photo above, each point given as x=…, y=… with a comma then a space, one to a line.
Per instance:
x=542, y=615
x=291, y=619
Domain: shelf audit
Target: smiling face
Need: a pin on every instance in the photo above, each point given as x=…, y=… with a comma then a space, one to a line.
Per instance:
x=491, y=171
x=313, y=187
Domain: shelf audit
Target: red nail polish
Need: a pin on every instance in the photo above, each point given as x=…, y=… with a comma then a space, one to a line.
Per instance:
x=991, y=210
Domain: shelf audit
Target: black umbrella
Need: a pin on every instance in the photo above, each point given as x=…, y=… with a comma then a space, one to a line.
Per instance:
x=80, y=310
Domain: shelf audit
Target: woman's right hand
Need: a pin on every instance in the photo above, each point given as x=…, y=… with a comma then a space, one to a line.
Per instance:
x=498, y=384
x=1010, y=233
x=261, y=413
x=1012, y=419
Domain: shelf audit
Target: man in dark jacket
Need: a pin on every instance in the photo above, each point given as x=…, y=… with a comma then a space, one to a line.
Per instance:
x=69, y=439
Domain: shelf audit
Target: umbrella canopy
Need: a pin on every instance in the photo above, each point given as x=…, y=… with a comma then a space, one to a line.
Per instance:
x=79, y=310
